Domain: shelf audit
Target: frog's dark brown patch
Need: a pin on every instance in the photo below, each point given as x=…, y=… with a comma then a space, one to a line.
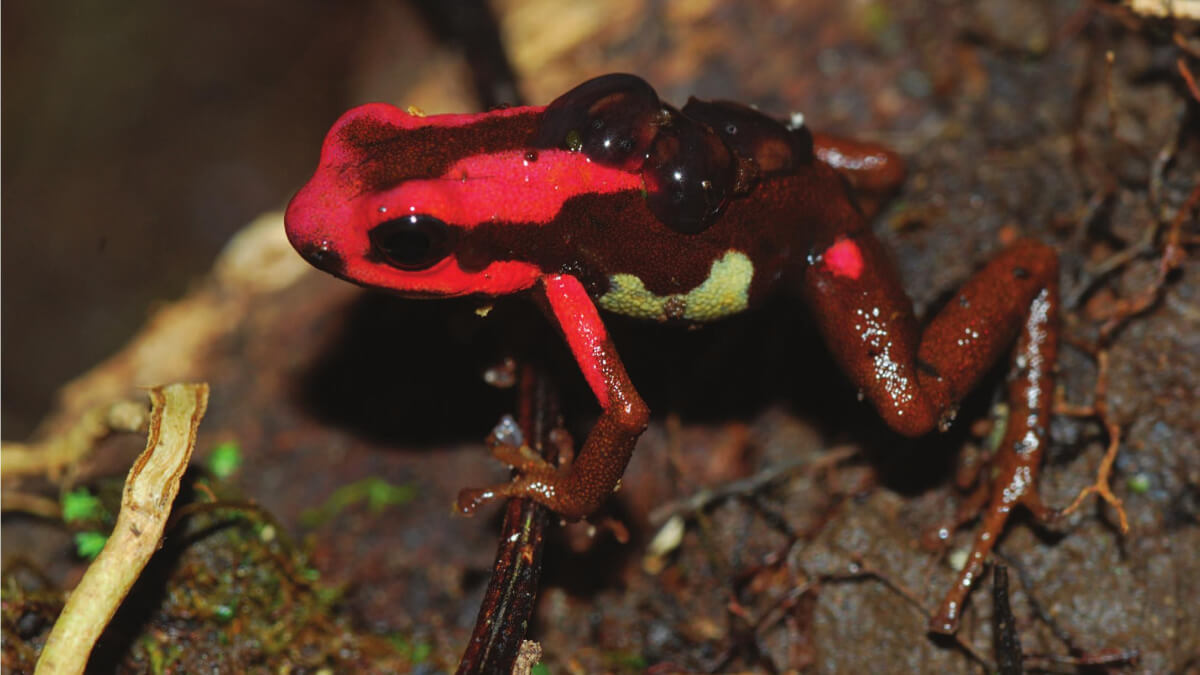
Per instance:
x=388, y=154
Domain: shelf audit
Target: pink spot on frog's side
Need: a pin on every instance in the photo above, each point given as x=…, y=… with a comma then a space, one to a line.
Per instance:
x=844, y=259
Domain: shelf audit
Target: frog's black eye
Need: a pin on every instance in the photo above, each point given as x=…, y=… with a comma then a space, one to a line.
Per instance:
x=413, y=242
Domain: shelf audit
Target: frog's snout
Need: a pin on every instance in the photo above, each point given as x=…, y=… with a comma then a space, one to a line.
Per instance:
x=322, y=256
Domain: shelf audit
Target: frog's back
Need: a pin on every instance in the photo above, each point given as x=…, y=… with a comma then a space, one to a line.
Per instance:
x=712, y=228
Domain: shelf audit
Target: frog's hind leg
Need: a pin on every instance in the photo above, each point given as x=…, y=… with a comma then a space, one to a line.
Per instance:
x=915, y=378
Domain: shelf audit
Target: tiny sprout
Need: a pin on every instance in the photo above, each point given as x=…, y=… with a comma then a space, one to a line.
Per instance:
x=79, y=505
x=225, y=459
x=89, y=544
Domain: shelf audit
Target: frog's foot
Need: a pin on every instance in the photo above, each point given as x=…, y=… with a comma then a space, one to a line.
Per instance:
x=1011, y=486
x=541, y=485
x=564, y=490
x=537, y=478
x=520, y=457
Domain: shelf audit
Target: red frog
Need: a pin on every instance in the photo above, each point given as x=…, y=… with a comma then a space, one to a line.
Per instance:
x=609, y=199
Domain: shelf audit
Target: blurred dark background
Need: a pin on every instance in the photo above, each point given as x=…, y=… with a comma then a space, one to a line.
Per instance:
x=139, y=136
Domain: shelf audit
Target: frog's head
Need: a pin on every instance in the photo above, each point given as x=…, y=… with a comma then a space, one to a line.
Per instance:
x=396, y=197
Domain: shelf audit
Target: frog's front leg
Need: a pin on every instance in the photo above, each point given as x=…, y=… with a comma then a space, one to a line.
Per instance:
x=580, y=488
x=916, y=378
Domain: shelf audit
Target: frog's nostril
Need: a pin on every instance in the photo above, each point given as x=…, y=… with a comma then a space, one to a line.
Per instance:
x=323, y=257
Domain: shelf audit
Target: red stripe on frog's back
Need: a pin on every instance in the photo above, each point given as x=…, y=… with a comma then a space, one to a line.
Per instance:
x=512, y=186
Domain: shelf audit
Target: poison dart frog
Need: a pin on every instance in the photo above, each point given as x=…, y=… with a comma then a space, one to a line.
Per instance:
x=610, y=199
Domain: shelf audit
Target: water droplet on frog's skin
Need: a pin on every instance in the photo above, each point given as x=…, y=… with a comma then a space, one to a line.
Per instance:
x=753, y=137
x=574, y=140
x=688, y=175
x=612, y=119
x=507, y=432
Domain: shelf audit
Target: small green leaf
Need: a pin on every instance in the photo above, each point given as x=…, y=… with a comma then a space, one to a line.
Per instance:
x=157, y=658
x=1139, y=483
x=382, y=494
x=415, y=653
x=377, y=492
x=89, y=544
x=81, y=505
x=225, y=459
x=877, y=18
x=626, y=660
x=224, y=612
x=421, y=652
x=401, y=644
x=539, y=669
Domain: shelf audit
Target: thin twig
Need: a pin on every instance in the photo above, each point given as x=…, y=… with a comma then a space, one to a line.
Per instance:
x=51, y=456
x=868, y=570
x=743, y=486
x=1100, y=486
x=1188, y=78
x=1172, y=257
x=507, y=608
x=36, y=505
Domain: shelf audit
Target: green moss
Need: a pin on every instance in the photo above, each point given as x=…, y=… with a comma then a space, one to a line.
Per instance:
x=413, y=652
x=626, y=661
x=230, y=591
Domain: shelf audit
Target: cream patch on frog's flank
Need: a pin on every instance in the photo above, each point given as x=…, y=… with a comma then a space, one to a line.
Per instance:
x=726, y=291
